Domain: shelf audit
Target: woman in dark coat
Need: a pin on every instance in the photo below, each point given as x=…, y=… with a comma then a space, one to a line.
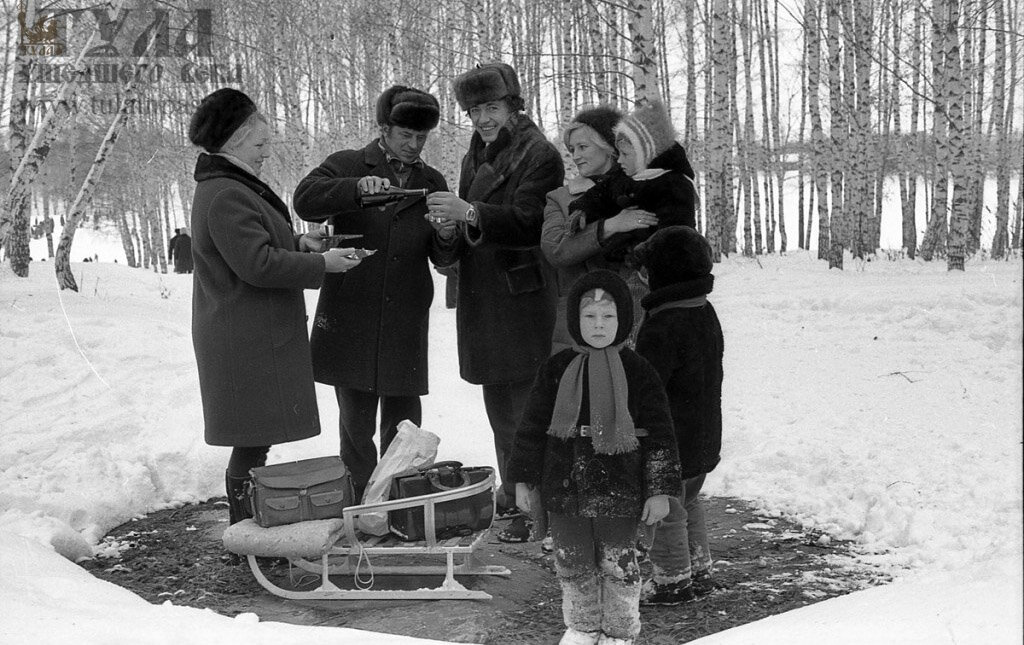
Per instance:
x=248, y=312
x=506, y=298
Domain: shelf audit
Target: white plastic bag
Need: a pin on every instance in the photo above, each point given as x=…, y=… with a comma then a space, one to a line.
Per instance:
x=411, y=449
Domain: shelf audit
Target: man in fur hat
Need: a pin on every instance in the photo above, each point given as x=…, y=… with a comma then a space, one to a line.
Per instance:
x=506, y=294
x=369, y=337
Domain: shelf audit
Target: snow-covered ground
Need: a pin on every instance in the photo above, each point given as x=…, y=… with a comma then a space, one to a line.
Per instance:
x=880, y=404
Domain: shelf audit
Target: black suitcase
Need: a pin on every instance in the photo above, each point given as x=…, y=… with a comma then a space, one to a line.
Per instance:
x=453, y=518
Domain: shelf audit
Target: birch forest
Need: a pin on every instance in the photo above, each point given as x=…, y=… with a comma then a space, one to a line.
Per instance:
x=809, y=122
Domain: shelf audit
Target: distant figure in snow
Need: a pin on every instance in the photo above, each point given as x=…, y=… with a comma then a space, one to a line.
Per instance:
x=181, y=251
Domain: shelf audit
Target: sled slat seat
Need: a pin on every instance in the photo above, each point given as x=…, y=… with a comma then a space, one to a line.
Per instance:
x=335, y=547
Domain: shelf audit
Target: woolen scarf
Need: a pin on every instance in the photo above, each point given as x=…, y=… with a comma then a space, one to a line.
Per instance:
x=611, y=426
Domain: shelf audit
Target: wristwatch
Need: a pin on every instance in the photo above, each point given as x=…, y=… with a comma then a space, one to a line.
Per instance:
x=471, y=215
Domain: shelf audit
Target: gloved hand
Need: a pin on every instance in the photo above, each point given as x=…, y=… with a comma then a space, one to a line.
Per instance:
x=655, y=509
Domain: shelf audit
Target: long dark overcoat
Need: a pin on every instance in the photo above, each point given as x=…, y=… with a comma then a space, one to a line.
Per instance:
x=574, y=480
x=248, y=312
x=507, y=291
x=685, y=345
x=371, y=323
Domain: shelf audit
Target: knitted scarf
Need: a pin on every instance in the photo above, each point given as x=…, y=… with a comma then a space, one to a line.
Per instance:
x=612, y=429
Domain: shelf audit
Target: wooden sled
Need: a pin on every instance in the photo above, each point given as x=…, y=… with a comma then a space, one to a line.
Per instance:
x=334, y=547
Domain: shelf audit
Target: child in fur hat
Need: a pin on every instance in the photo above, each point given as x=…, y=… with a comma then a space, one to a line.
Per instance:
x=682, y=339
x=593, y=448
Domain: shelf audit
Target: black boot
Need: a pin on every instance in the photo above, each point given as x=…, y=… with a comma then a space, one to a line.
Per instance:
x=238, y=504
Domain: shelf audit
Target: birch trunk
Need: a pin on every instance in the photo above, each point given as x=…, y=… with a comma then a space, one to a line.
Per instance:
x=639, y=20
x=955, y=83
x=46, y=132
x=1000, y=237
x=837, y=215
x=77, y=209
x=938, y=216
x=719, y=171
x=819, y=146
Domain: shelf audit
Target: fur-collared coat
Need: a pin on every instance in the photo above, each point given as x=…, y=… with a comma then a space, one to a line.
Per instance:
x=506, y=301
x=685, y=345
x=574, y=480
x=371, y=323
x=248, y=311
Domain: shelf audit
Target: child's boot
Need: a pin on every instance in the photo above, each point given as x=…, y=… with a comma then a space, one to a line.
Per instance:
x=576, y=637
x=667, y=591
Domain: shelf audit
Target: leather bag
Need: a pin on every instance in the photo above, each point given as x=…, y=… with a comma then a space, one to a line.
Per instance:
x=453, y=518
x=298, y=491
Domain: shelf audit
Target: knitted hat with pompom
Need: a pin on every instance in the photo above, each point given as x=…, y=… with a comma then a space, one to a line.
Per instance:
x=649, y=130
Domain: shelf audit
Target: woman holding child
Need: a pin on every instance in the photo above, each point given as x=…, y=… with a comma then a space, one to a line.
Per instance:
x=571, y=242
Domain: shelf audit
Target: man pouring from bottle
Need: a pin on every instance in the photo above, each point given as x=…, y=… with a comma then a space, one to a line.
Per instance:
x=369, y=337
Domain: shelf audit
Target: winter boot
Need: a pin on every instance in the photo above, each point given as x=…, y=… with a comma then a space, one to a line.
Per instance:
x=238, y=505
x=611, y=640
x=576, y=637
x=705, y=583
x=667, y=593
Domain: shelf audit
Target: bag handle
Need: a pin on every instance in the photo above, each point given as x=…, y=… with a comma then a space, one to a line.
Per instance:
x=454, y=465
x=435, y=480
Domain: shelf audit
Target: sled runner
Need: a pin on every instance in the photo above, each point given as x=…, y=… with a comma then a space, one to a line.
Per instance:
x=334, y=547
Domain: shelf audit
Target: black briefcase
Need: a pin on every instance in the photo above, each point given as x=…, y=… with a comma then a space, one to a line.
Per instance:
x=451, y=518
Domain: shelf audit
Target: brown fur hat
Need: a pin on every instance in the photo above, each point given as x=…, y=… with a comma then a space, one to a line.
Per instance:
x=408, y=107
x=488, y=82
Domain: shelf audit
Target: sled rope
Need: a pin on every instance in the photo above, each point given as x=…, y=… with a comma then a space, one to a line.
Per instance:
x=361, y=583
x=71, y=329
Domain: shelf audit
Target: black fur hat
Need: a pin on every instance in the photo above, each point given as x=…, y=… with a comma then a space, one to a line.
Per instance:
x=602, y=119
x=218, y=116
x=674, y=255
x=488, y=82
x=615, y=286
x=408, y=107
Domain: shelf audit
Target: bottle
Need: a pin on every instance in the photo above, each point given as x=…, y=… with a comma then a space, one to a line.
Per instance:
x=389, y=195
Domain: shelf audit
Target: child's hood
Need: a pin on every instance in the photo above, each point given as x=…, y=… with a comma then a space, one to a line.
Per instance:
x=616, y=288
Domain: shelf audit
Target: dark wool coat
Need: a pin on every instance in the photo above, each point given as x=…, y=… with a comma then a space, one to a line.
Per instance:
x=181, y=253
x=574, y=480
x=685, y=345
x=370, y=328
x=506, y=301
x=248, y=312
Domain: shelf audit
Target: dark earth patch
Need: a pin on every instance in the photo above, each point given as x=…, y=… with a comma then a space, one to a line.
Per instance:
x=769, y=566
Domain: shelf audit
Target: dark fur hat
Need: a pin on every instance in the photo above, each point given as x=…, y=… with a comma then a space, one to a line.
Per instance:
x=673, y=255
x=218, y=116
x=488, y=82
x=408, y=107
x=602, y=119
x=616, y=288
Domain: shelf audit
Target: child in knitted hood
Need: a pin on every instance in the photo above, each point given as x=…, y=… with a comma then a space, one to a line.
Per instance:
x=595, y=452
x=657, y=178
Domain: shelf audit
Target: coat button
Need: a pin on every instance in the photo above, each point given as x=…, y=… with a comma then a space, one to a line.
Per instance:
x=565, y=483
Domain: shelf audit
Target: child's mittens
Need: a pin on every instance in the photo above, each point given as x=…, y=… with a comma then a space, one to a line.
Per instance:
x=655, y=509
